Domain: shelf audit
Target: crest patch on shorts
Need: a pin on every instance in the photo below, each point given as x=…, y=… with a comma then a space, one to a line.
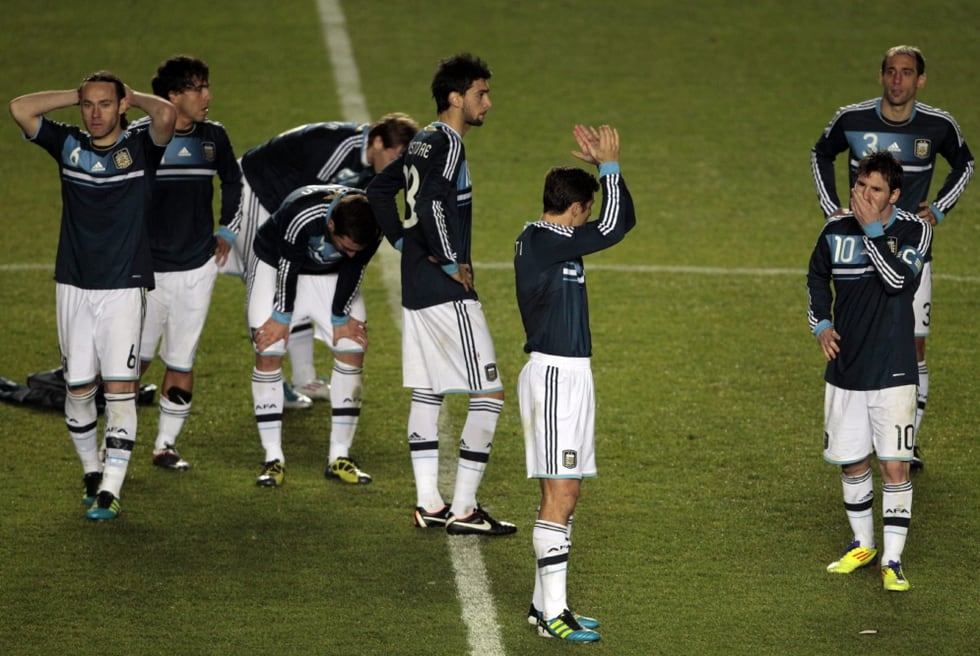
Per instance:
x=491, y=370
x=569, y=459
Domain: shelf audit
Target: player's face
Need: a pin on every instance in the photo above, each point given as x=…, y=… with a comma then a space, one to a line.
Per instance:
x=192, y=103
x=101, y=109
x=476, y=102
x=380, y=156
x=343, y=243
x=900, y=80
x=874, y=188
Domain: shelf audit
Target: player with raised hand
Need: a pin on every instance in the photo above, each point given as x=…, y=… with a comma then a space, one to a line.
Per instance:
x=555, y=388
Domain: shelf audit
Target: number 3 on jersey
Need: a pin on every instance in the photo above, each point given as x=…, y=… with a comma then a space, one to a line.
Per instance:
x=412, y=182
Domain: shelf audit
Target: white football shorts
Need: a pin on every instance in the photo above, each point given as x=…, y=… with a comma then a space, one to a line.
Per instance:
x=447, y=348
x=175, y=314
x=557, y=400
x=858, y=423
x=99, y=332
x=313, y=303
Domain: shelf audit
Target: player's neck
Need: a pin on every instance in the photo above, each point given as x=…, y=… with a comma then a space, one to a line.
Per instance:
x=897, y=115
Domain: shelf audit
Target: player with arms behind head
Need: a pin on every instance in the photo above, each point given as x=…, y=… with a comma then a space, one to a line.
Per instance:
x=555, y=388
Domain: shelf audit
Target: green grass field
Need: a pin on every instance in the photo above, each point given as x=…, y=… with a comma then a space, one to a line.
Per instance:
x=709, y=527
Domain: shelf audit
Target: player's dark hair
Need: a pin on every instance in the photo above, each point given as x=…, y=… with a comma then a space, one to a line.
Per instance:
x=179, y=74
x=395, y=129
x=884, y=163
x=109, y=76
x=352, y=217
x=911, y=51
x=564, y=185
x=458, y=73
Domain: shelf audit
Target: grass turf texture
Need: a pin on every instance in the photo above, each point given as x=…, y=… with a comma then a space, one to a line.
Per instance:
x=713, y=516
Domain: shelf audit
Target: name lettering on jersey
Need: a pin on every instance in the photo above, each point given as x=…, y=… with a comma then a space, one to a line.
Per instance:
x=419, y=149
x=569, y=459
x=923, y=148
x=122, y=159
x=209, y=150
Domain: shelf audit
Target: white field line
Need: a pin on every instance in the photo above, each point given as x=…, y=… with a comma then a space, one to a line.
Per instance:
x=472, y=584
x=391, y=276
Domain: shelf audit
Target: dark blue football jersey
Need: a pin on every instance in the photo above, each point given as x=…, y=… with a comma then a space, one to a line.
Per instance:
x=181, y=215
x=860, y=129
x=105, y=195
x=864, y=287
x=312, y=154
x=295, y=240
x=550, y=274
x=435, y=234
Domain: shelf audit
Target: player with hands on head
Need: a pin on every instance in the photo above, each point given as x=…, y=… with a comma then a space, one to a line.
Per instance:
x=555, y=388
x=310, y=258
x=862, y=277
x=103, y=265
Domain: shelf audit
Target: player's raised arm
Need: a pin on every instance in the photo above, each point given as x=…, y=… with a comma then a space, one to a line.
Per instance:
x=28, y=109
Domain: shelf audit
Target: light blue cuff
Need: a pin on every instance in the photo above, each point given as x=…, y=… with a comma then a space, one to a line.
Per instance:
x=226, y=234
x=338, y=321
x=451, y=268
x=873, y=230
x=608, y=168
x=936, y=213
x=282, y=317
x=820, y=327
x=398, y=244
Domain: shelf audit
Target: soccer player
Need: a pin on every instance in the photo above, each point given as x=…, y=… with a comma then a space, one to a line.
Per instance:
x=103, y=265
x=862, y=277
x=318, y=153
x=185, y=250
x=555, y=387
x=914, y=133
x=446, y=344
x=309, y=260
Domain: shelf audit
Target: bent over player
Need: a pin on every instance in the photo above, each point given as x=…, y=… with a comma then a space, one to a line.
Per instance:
x=310, y=258
x=103, y=266
x=555, y=388
x=328, y=152
x=862, y=277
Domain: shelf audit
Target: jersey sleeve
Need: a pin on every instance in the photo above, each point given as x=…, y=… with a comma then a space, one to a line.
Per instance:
x=349, y=277
x=830, y=144
x=819, y=295
x=437, y=216
x=898, y=270
x=382, y=193
x=617, y=216
x=955, y=151
x=230, y=175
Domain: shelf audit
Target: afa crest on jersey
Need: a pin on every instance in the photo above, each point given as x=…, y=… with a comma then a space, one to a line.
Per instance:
x=122, y=159
x=208, y=150
x=923, y=148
